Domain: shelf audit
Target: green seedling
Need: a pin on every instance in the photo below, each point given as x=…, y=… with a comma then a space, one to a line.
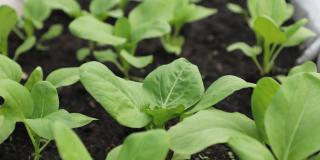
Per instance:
x=148, y=20
x=172, y=90
x=35, y=104
x=185, y=11
x=284, y=127
x=267, y=21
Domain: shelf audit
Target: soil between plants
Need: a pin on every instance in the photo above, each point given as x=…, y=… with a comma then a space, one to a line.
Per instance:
x=205, y=46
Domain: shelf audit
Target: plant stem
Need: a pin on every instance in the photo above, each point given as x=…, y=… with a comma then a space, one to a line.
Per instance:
x=44, y=145
x=19, y=33
x=266, y=56
x=34, y=143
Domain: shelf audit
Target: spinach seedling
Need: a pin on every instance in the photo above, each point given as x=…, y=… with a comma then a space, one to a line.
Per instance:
x=161, y=96
x=35, y=13
x=185, y=11
x=148, y=20
x=36, y=104
x=138, y=146
x=272, y=36
x=285, y=125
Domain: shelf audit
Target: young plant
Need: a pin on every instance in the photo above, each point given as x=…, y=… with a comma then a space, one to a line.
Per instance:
x=272, y=36
x=172, y=90
x=35, y=104
x=35, y=12
x=148, y=20
x=185, y=11
x=285, y=126
x=138, y=146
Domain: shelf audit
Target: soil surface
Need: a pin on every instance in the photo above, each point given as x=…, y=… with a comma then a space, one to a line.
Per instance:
x=206, y=47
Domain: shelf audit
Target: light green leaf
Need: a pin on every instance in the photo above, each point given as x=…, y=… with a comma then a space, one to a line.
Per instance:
x=71, y=7
x=138, y=62
x=69, y=144
x=148, y=145
x=83, y=53
x=150, y=29
x=64, y=77
x=200, y=12
x=292, y=119
x=161, y=115
x=25, y=46
x=173, y=44
x=249, y=51
x=116, y=13
x=261, y=99
x=167, y=84
x=9, y=16
x=235, y=8
x=300, y=36
x=100, y=7
x=304, y=68
x=219, y=90
x=37, y=11
x=35, y=76
x=106, y=56
x=45, y=98
x=53, y=32
x=207, y=128
x=248, y=148
x=269, y=30
x=122, y=28
x=43, y=126
x=6, y=127
x=120, y=98
x=18, y=102
x=89, y=28
x=114, y=153
x=9, y=69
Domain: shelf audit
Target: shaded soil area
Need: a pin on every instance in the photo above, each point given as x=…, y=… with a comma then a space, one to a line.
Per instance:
x=206, y=47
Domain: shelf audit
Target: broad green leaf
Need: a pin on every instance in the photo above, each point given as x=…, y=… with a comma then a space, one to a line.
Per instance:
x=89, y=28
x=269, y=30
x=122, y=28
x=35, y=76
x=8, y=19
x=167, y=84
x=116, y=13
x=18, y=102
x=150, y=29
x=300, y=36
x=220, y=89
x=83, y=53
x=114, y=153
x=292, y=119
x=9, y=69
x=261, y=99
x=100, y=7
x=207, y=128
x=248, y=148
x=6, y=127
x=71, y=7
x=245, y=48
x=53, y=32
x=148, y=145
x=37, y=11
x=200, y=12
x=122, y=99
x=151, y=10
x=161, y=115
x=106, y=56
x=25, y=46
x=173, y=44
x=43, y=126
x=304, y=68
x=138, y=62
x=64, y=77
x=235, y=8
x=69, y=144
x=45, y=98
x=278, y=10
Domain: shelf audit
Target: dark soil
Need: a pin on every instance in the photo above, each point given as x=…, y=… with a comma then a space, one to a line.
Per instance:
x=205, y=47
